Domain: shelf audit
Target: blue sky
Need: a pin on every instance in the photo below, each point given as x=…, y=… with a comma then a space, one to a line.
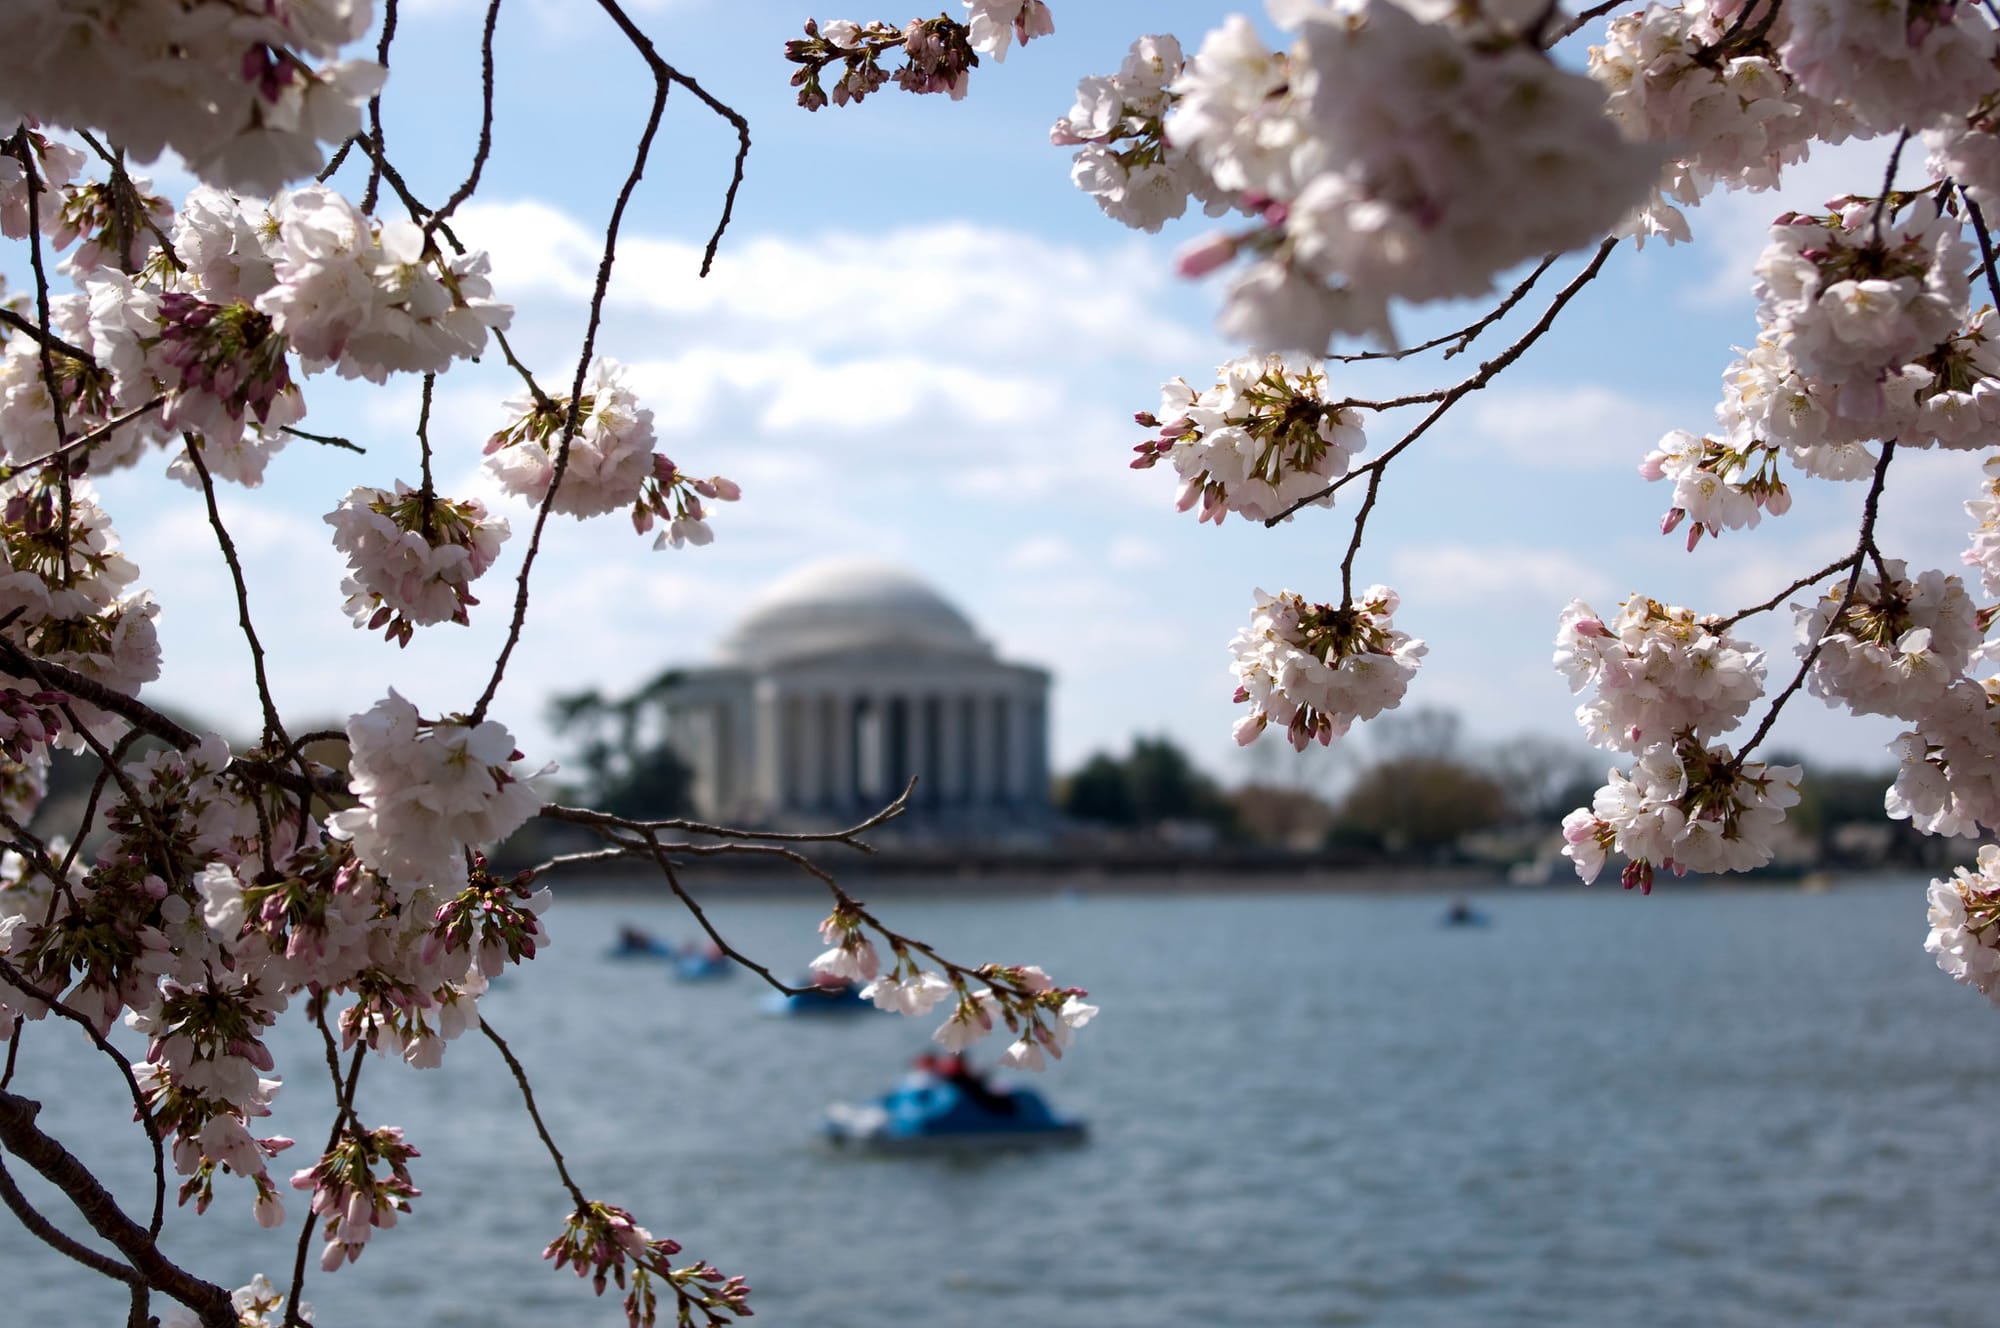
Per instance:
x=922, y=344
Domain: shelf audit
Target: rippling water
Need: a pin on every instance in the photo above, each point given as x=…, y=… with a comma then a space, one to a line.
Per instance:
x=1703, y=1109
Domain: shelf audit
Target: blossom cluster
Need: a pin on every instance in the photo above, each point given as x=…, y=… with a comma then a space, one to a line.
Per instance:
x=1313, y=669
x=1260, y=441
x=600, y=1240
x=1661, y=674
x=610, y=462
x=1043, y=1016
x=232, y=88
x=1855, y=297
x=1391, y=157
x=413, y=556
x=939, y=54
x=1965, y=924
x=351, y=1197
x=1696, y=77
x=1126, y=162
x=1668, y=683
x=1685, y=807
x=428, y=790
x=1866, y=336
x=1894, y=646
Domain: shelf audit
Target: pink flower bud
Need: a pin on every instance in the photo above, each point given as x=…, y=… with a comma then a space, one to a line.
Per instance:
x=1206, y=255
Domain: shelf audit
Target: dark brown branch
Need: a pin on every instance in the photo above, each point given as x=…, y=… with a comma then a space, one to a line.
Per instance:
x=97, y=435
x=1985, y=246
x=326, y=438
x=49, y=340
x=374, y=131
x=141, y=1112
x=136, y=712
x=1464, y=336
x=56, y=1239
x=849, y=837
x=1839, y=564
x=534, y=1113
x=1596, y=11
x=1487, y=372
x=24, y=1139
x=664, y=73
x=485, y=145
x=1863, y=547
x=574, y=418
x=343, y=1113
x=274, y=727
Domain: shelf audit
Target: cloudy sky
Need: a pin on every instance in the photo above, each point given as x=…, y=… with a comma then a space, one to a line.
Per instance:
x=920, y=343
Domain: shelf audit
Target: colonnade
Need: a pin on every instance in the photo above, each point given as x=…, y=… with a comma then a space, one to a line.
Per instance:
x=839, y=749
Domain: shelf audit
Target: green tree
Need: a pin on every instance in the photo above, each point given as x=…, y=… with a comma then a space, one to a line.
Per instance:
x=629, y=770
x=1419, y=805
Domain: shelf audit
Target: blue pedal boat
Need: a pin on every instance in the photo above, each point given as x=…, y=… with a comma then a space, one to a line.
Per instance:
x=926, y=1113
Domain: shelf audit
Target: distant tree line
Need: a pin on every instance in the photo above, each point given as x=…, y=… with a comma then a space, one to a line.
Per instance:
x=1415, y=791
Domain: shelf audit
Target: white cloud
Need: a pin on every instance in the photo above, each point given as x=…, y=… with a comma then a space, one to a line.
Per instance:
x=952, y=287
x=1496, y=578
x=1040, y=553
x=1564, y=428
x=1132, y=553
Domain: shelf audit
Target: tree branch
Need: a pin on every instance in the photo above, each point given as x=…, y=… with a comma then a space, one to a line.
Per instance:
x=24, y=1139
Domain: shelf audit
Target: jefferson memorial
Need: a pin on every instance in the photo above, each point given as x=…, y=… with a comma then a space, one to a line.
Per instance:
x=841, y=682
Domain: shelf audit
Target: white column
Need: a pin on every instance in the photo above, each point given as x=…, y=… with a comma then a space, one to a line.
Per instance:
x=951, y=749
x=999, y=758
x=768, y=777
x=841, y=747
x=979, y=741
x=1038, y=769
x=1019, y=749
x=869, y=735
x=809, y=791
x=917, y=749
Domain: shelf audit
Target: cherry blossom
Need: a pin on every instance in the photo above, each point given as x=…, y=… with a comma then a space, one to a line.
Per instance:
x=413, y=555
x=1262, y=439
x=1965, y=924
x=429, y=790
x=1313, y=669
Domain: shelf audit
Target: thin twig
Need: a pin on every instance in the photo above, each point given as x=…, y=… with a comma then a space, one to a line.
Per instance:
x=1453, y=396
x=1837, y=565
x=1596, y=11
x=1464, y=336
x=343, y=1113
x=368, y=196
x=274, y=726
x=1863, y=546
x=329, y=439
x=535, y=1113
x=485, y=145
x=664, y=71
x=574, y=419
x=48, y=339
x=97, y=435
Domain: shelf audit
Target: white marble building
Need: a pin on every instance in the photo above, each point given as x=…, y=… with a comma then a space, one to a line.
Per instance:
x=842, y=681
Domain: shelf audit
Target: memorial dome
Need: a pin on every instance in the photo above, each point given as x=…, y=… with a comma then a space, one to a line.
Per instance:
x=844, y=605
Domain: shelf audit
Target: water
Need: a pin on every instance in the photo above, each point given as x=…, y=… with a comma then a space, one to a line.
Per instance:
x=1700, y=1109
